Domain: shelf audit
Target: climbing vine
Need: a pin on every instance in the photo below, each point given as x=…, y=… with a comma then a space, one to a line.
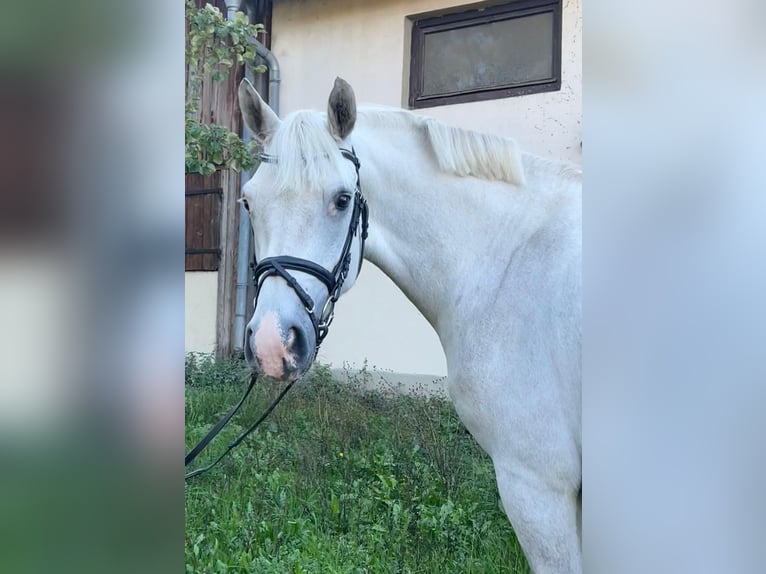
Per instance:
x=215, y=46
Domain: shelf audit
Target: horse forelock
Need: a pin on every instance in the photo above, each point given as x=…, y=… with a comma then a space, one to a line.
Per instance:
x=306, y=154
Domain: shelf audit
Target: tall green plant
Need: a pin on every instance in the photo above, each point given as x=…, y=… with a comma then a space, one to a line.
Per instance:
x=214, y=46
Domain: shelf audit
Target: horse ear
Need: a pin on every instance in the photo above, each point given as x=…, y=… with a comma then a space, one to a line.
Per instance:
x=341, y=109
x=258, y=116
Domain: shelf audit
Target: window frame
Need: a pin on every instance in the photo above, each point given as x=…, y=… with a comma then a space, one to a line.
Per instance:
x=428, y=23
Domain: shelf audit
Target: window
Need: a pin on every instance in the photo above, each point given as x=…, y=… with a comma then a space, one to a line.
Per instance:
x=203, y=222
x=498, y=51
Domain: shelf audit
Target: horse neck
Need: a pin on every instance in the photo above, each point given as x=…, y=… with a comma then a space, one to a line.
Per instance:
x=439, y=237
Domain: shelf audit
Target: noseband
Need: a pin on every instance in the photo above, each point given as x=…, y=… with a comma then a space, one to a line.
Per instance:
x=332, y=280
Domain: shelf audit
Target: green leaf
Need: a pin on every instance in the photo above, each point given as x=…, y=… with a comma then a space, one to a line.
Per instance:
x=213, y=45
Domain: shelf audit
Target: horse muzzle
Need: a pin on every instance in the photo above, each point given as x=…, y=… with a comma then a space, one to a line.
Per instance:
x=279, y=347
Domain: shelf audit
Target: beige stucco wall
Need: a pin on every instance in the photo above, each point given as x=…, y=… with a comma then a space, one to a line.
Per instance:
x=376, y=323
x=365, y=42
x=201, y=289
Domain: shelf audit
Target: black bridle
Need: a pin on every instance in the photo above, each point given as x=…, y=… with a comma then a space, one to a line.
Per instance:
x=332, y=280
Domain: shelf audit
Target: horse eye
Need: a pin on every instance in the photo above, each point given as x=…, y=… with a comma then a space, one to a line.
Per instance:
x=245, y=204
x=342, y=201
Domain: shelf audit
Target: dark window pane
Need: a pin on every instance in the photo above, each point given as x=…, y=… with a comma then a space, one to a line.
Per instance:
x=488, y=55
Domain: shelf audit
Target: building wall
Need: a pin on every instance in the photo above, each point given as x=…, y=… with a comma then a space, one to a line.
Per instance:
x=365, y=42
x=201, y=288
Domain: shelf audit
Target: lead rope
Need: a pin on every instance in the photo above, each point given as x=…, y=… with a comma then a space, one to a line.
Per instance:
x=222, y=423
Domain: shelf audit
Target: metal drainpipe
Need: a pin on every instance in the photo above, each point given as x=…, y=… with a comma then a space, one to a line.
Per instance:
x=232, y=7
x=243, y=253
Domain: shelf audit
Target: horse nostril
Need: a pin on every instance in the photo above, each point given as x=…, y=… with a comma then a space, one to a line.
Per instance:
x=248, y=347
x=288, y=368
x=295, y=342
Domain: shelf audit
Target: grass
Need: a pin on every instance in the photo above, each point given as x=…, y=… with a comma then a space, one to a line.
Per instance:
x=339, y=480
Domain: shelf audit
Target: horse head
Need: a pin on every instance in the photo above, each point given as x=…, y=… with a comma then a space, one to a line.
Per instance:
x=309, y=221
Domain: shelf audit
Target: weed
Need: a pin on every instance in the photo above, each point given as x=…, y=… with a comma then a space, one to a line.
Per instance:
x=341, y=479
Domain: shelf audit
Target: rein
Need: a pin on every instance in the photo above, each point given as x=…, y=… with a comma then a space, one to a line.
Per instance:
x=222, y=423
x=279, y=265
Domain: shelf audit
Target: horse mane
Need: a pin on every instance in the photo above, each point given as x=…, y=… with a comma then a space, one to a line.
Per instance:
x=459, y=151
x=307, y=152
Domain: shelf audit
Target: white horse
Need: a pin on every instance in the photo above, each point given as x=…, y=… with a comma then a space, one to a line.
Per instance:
x=484, y=239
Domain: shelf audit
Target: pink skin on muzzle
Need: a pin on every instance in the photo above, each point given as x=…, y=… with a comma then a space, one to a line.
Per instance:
x=271, y=350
